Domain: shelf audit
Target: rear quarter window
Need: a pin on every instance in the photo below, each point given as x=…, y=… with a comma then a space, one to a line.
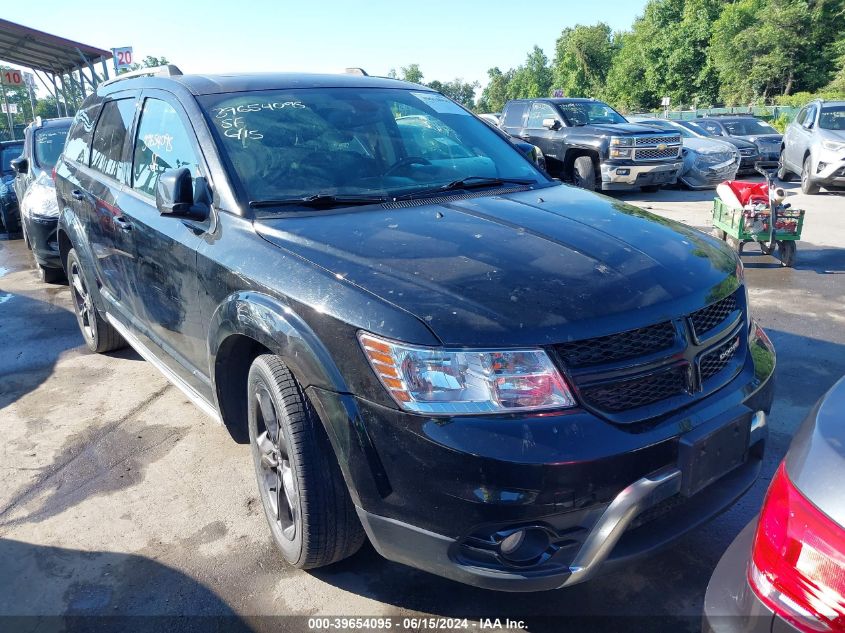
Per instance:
x=78, y=147
x=514, y=114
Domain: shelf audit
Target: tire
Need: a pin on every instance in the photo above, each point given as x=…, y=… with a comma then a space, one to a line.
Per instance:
x=650, y=188
x=317, y=524
x=807, y=186
x=99, y=335
x=783, y=173
x=584, y=173
x=765, y=248
x=786, y=253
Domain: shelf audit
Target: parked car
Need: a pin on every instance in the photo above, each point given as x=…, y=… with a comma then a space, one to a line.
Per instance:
x=44, y=140
x=814, y=146
x=532, y=151
x=590, y=144
x=9, y=150
x=764, y=136
x=492, y=118
x=786, y=569
x=748, y=151
x=707, y=161
x=495, y=377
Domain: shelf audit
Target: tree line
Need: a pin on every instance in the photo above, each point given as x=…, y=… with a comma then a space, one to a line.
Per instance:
x=699, y=53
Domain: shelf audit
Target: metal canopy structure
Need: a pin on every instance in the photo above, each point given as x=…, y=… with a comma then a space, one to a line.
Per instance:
x=68, y=66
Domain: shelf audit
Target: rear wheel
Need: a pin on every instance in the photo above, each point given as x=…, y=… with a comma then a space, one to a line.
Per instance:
x=584, y=173
x=807, y=185
x=312, y=519
x=98, y=333
x=766, y=248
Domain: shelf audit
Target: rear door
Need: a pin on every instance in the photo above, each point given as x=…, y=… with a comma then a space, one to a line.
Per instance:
x=164, y=275
x=99, y=200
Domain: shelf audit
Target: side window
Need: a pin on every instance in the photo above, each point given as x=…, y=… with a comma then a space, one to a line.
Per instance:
x=810, y=119
x=514, y=113
x=161, y=143
x=540, y=111
x=801, y=116
x=110, y=137
x=78, y=146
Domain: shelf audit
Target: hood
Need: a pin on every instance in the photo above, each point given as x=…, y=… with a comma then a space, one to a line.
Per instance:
x=526, y=268
x=832, y=135
x=708, y=146
x=739, y=143
x=625, y=129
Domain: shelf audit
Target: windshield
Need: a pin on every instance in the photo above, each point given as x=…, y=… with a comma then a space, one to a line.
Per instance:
x=49, y=143
x=7, y=155
x=748, y=127
x=668, y=125
x=832, y=118
x=578, y=113
x=694, y=128
x=291, y=144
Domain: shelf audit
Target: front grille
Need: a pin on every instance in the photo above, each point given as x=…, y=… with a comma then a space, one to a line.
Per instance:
x=616, y=347
x=655, y=154
x=707, y=318
x=747, y=151
x=637, y=392
x=717, y=359
x=656, y=140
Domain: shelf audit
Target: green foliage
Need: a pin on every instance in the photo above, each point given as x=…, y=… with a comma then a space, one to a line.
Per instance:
x=582, y=60
x=461, y=91
x=150, y=61
x=533, y=78
x=495, y=93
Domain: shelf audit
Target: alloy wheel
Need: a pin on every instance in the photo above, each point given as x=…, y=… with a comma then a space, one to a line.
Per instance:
x=82, y=300
x=277, y=480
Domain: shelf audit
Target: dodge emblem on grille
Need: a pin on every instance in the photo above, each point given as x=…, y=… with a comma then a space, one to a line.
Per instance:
x=729, y=351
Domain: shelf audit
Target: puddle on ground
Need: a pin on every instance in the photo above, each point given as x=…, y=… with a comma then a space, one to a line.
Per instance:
x=5, y=296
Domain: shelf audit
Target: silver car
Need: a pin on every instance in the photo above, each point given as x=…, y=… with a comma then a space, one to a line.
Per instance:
x=786, y=570
x=814, y=146
x=707, y=161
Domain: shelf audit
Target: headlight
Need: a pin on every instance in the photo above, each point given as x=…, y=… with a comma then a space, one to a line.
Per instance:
x=459, y=382
x=621, y=152
x=834, y=146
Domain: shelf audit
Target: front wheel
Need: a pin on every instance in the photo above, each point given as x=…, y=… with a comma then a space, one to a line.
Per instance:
x=786, y=253
x=807, y=185
x=584, y=173
x=783, y=173
x=98, y=333
x=312, y=519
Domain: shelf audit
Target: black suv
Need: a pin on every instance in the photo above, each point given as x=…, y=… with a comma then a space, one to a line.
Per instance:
x=495, y=377
x=9, y=215
x=44, y=140
x=590, y=144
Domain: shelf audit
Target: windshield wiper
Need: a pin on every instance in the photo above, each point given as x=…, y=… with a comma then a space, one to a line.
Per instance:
x=470, y=182
x=319, y=200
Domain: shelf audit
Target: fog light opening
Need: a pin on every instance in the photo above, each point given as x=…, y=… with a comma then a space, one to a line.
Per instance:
x=623, y=172
x=523, y=546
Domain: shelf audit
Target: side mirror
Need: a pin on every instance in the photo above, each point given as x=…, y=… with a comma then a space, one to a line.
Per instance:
x=175, y=195
x=551, y=124
x=808, y=124
x=20, y=165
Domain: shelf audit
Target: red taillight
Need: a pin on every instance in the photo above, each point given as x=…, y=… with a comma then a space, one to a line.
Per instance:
x=53, y=174
x=798, y=561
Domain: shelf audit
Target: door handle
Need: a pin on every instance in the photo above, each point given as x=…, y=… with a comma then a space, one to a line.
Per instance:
x=122, y=223
x=76, y=194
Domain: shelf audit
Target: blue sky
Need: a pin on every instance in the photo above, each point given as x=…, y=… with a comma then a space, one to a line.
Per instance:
x=447, y=38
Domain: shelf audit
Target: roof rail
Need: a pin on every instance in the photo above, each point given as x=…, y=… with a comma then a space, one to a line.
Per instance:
x=356, y=71
x=168, y=70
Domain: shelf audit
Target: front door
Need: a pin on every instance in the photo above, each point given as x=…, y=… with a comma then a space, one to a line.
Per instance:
x=164, y=275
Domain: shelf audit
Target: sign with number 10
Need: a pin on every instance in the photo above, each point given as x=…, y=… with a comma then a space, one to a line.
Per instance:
x=12, y=77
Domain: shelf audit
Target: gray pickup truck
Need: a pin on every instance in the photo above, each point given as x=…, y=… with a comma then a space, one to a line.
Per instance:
x=590, y=144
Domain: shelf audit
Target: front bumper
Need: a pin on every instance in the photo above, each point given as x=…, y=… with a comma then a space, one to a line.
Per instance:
x=829, y=168
x=43, y=238
x=436, y=493
x=730, y=605
x=702, y=176
x=747, y=164
x=630, y=174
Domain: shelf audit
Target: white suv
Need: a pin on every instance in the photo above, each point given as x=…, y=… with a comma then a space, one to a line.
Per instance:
x=814, y=146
